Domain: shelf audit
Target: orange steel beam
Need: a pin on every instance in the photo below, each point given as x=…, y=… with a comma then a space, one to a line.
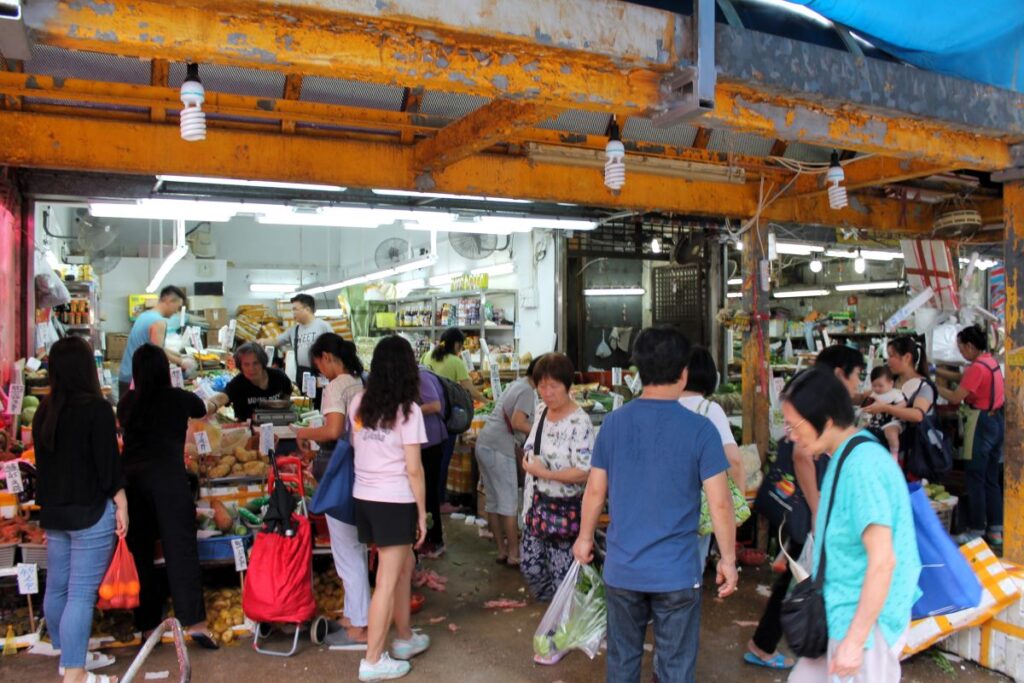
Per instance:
x=49, y=141
x=381, y=46
x=483, y=128
x=1013, y=207
x=292, y=91
x=703, y=137
x=867, y=172
x=159, y=72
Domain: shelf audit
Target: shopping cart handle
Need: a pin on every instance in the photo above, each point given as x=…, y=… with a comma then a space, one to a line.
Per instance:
x=184, y=666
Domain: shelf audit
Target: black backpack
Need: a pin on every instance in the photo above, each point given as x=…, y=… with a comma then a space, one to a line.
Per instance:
x=927, y=452
x=458, y=406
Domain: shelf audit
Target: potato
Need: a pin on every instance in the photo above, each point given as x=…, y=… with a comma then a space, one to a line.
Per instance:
x=227, y=636
x=220, y=604
x=220, y=626
x=244, y=456
x=237, y=468
x=254, y=469
x=219, y=471
x=226, y=460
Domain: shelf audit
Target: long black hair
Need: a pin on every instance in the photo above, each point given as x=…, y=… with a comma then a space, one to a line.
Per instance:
x=446, y=345
x=702, y=375
x=152, y=373
x=340, y=348
x=907, y=343
x=394, y=384
x=73, y=381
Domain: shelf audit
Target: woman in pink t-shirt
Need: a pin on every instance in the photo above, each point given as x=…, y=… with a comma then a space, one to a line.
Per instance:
x=390, y=500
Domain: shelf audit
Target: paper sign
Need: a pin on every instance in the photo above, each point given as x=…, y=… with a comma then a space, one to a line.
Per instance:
x=309, y=384
x=917, y=302
x=266, y=438
x=485, y=351
x=13, y=475
x=515, y=363
x=635, y=385
x=616, y=401
x=495, y=381
x=177, y=379
x=33, y=364
x=270, y=350
x=616, y=377
x=195, y=338
x=15, y=395
x=28, y=579
x=203, y=443
x=241, y=561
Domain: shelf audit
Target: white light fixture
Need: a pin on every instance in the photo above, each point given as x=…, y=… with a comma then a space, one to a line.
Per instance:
x=494, y=271
x=833, y=177
x=330, y=312
x=615, y=163
x=379, y=275
x=262, y=288
x=403, y=288
x=349, y=216
x=868, y=254
x=614, y=291
x=797, y=249
x=860, y=265
x=800, y=293
x=441, y=195
x=735, y=281
x=815, y=266
x=176, y=209
x=980, y=264
x=494, y=225
x=869, y=286
x=178, y=253
x=655, y=246
x=738, y=245
x=441, y=280
x=734, y=295
x=193, y=118
x=234, y=182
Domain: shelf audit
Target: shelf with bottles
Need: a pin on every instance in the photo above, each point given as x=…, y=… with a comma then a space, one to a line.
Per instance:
x=480, y=312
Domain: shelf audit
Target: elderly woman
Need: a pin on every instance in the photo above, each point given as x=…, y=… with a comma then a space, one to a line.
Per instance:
x=557, y=462
x=863, y=517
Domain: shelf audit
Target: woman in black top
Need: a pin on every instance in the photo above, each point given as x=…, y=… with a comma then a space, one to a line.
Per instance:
x=155, y=417
x=81, y=498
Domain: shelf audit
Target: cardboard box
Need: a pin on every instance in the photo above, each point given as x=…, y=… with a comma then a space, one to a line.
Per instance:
x=116, y=344
x=217, y=317
x=205, y=302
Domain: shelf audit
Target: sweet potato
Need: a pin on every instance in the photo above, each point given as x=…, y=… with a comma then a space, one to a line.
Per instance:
x=222, y=516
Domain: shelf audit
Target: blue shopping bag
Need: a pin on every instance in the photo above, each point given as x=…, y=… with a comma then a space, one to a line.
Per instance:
x=333, y=494
x=947, y=583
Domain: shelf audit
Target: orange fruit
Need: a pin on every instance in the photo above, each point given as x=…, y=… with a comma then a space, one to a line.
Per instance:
x=132, y=587
x=106, y=591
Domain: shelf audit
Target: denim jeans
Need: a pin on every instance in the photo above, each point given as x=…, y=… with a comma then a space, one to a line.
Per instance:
x=676, y=634
x=984, y=491
x=76, y=563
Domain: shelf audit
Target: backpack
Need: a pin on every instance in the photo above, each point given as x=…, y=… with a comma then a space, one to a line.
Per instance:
x=458, y=406
x=927, y=452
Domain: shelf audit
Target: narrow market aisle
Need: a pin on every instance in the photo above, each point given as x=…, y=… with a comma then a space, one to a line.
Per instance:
x=488, y=645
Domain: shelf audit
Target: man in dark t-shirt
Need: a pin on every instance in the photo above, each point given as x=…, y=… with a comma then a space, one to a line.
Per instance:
x=256, y=382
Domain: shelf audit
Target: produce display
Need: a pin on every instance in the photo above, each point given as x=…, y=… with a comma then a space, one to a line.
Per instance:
x=224, y=614
x=20, y=530
x=328, y=592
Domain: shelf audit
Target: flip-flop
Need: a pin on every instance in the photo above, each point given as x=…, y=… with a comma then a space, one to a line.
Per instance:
x=777, y=662
x=204, y=641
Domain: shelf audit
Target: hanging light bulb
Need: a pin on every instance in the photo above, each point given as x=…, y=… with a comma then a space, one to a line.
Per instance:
x=834, y=176
x=655, y=246
x=815, y=266
x=859, y=264
x=738, y=245
x=193, y=118
x=615, y=166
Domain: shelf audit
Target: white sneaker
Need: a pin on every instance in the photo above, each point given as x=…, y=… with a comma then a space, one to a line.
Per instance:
x=385, y=669
x=407, y=649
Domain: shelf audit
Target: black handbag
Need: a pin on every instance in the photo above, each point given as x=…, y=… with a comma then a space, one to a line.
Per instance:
x=927, y=453
x=803, y=611
x=549, y=517
x=780, y=499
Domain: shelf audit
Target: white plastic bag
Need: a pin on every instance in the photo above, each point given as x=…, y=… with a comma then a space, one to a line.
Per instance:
x=577, y=618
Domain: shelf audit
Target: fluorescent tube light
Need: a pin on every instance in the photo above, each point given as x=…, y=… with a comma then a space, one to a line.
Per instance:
x=350, y=217
x=474, y=226
x=234, y=182
x=869, y=286
x=180, y=249
x=735, y=281
x=496, y=225
x=405, y=286
x=800, y=293
x=734, y=295
x=672, y=168
x=441, y=280
x=493, y=271
x=330, y=313
x=614, y=291
x=174, y=209
x=379, y=275
x=868, y=254
x=797, y=249
x=441, y=195
x=272, y=288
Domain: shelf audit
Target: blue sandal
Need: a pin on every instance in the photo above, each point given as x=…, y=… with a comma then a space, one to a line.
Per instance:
x=777, y=662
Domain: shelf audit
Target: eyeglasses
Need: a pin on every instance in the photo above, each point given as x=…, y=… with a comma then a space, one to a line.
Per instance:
x=789, y=429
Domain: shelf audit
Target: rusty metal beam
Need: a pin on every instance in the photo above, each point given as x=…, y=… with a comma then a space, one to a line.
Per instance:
x=492, y=123
x=159, y=72
x=50, y=141
x=1013, y=207
x=703, y=137
x=292, y=91
x=412, y=100
x=779, y=148
x=395, y=43
x=754, y=370
x=868, y=172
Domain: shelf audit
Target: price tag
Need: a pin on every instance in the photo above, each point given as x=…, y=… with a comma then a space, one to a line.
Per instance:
x=33, y=364
x=269, y=350
x=28, y=579
x=515, y=363
x=616, y=377
x=13, y=475
x=309, y=384
x=266, y=438
x=241, y=561
x=203, y=443
x=15, y=395
x=495, y=381
x=99, y=376
x=177, y=379
x=196, y=337
x=616, y=401
x=314, y=423
x=635, y=385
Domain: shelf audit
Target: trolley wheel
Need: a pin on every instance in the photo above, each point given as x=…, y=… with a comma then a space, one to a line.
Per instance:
x=318, y=630
x=263, y=629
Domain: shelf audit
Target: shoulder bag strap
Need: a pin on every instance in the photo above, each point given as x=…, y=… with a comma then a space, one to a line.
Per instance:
x=853, y=443
x=540, y=433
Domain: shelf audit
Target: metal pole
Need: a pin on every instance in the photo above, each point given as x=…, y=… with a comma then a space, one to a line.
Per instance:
x=1013, y=215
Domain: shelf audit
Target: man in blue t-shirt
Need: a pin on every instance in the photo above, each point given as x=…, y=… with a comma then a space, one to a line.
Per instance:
x=151, y=328
x=651, y=459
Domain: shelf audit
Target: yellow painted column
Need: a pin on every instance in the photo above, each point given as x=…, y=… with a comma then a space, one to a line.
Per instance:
x=1013, y=212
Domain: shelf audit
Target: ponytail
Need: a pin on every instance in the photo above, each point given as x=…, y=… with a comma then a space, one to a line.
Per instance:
x=909, y=344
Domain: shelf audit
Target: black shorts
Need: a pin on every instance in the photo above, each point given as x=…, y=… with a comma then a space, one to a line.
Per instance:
x=386, y=524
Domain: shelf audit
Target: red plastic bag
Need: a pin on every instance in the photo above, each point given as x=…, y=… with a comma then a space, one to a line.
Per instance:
x=120, y=586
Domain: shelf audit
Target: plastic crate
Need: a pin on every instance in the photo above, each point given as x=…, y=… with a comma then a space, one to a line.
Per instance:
x=34, y=553
x=7, y=551
x=218, y=548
